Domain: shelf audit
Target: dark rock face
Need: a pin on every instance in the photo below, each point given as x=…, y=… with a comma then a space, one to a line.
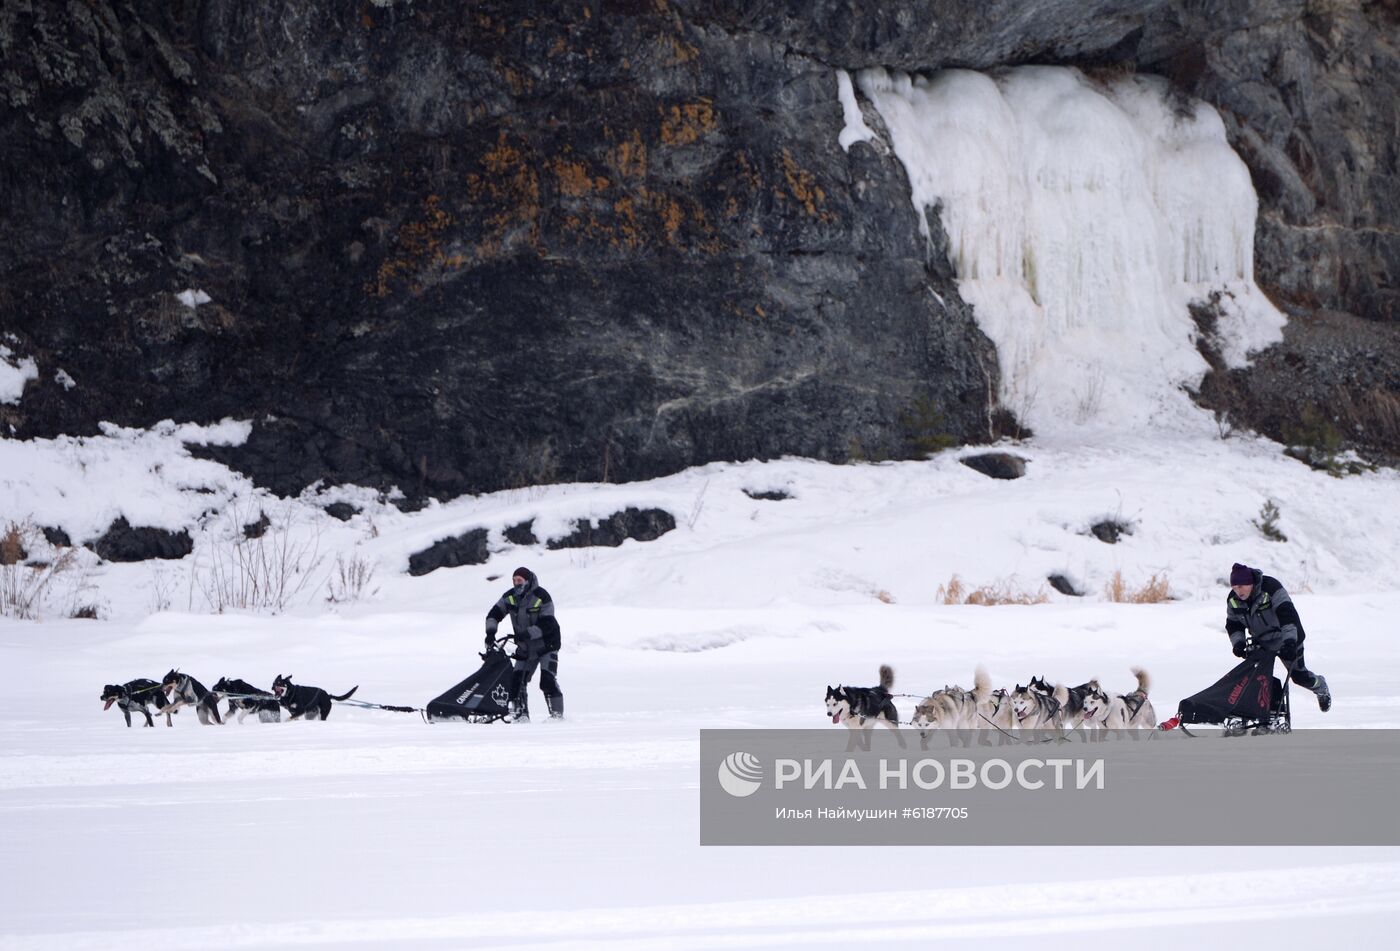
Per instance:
x=1110, y=530
x=522, y=534
x=1333, y=383
x=343, y=511
x=917, y=35
x=769, y=495
x=998, y=465
x=1307, y=89
x=458, y=248
x=259, y=528
x=122, y=542
x=468, y=549
x=57, y=537
x=1064, y=585
x=644, y=525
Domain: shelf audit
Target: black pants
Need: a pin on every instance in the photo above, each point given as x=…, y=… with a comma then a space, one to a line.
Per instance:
x=1301, y=675
x=528, y=656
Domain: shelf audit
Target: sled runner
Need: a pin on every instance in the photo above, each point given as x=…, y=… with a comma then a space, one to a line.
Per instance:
x=481, y=698
x=1249, y=699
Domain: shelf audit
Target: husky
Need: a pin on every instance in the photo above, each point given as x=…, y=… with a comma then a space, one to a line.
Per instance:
x=313, y=703
x=246, y=699
x=954, y=708
x=1131, y=711
x=1073, y=713
x=190, y=692
x=997, y=710
x=860, y=708
x=134, y=695
x=1033, y=709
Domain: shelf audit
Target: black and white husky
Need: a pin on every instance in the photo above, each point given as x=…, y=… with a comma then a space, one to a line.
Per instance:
x=1073, y=711
x=134, y=695
x=186, y=691
x=313, y=703
x=245, y=698
x=860, y=708
x=1131, y=711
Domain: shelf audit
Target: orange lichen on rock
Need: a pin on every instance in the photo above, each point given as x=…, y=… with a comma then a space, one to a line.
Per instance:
x=686, y=123
x=419, y=244
x=629, y=156
x=803, y=186
x=574, y=179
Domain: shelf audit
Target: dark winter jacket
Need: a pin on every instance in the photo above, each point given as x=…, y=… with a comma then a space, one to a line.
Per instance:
x=531, y=613
x=1267, y=615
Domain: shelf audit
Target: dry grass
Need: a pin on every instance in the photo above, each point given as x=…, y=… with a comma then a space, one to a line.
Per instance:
x=12, y=550
x=25, y=589
x=884, y=596
x=1156, y=590
x=1002, y=592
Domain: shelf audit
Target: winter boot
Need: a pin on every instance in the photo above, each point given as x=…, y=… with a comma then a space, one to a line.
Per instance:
x=555, y=702
x=1323, y=694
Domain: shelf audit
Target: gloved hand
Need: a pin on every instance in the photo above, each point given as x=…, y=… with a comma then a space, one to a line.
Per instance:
x=490, y=641
x=1238, y=648
x=1288, y=651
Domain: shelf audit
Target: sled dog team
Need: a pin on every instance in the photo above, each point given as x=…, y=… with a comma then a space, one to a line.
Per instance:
x=178, y=690
x=1036, y=705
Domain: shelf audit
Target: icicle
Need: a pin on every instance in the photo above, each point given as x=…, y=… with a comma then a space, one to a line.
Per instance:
x=1081, y=220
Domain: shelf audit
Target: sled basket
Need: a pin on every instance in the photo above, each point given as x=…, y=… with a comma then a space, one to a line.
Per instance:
x=482, y=697
x=1249, y=695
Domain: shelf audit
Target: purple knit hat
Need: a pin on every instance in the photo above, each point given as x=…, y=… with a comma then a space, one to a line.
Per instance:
x=1241, y=574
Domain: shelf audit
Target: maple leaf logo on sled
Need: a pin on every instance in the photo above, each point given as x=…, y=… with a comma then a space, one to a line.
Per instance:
x=500, y=694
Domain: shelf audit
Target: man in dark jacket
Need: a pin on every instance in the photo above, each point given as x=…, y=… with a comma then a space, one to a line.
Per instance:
x=1259, y=615
x=531, y=613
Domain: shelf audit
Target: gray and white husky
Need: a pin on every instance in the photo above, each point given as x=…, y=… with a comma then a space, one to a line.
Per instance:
x=861, y=708
x=1131, y=711
x=954, y=708
x=1034, y=710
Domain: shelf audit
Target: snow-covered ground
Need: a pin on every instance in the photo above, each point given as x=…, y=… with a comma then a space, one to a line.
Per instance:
x=377, y=830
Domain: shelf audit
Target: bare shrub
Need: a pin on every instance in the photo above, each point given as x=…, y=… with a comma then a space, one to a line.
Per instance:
x=350, y=580
x=697, y=506
x=25, y=588
x=162, y=590
x=990, y=595
x=1154, y=591
x=235, y=573
x=884, y=597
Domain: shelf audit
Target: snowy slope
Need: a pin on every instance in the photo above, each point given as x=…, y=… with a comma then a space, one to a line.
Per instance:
x=375, y=829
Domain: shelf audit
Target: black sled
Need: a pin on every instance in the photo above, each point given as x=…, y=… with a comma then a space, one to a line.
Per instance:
x=484, y=697
x=1249, y=699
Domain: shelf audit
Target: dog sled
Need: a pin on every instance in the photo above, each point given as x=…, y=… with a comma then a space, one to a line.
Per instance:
x=484, y=697
x=1249, y=699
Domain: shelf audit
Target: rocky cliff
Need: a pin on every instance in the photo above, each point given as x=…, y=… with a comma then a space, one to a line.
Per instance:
x=456, y=247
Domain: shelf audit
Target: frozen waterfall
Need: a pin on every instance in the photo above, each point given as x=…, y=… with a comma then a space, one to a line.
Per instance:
x=1082, y=218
